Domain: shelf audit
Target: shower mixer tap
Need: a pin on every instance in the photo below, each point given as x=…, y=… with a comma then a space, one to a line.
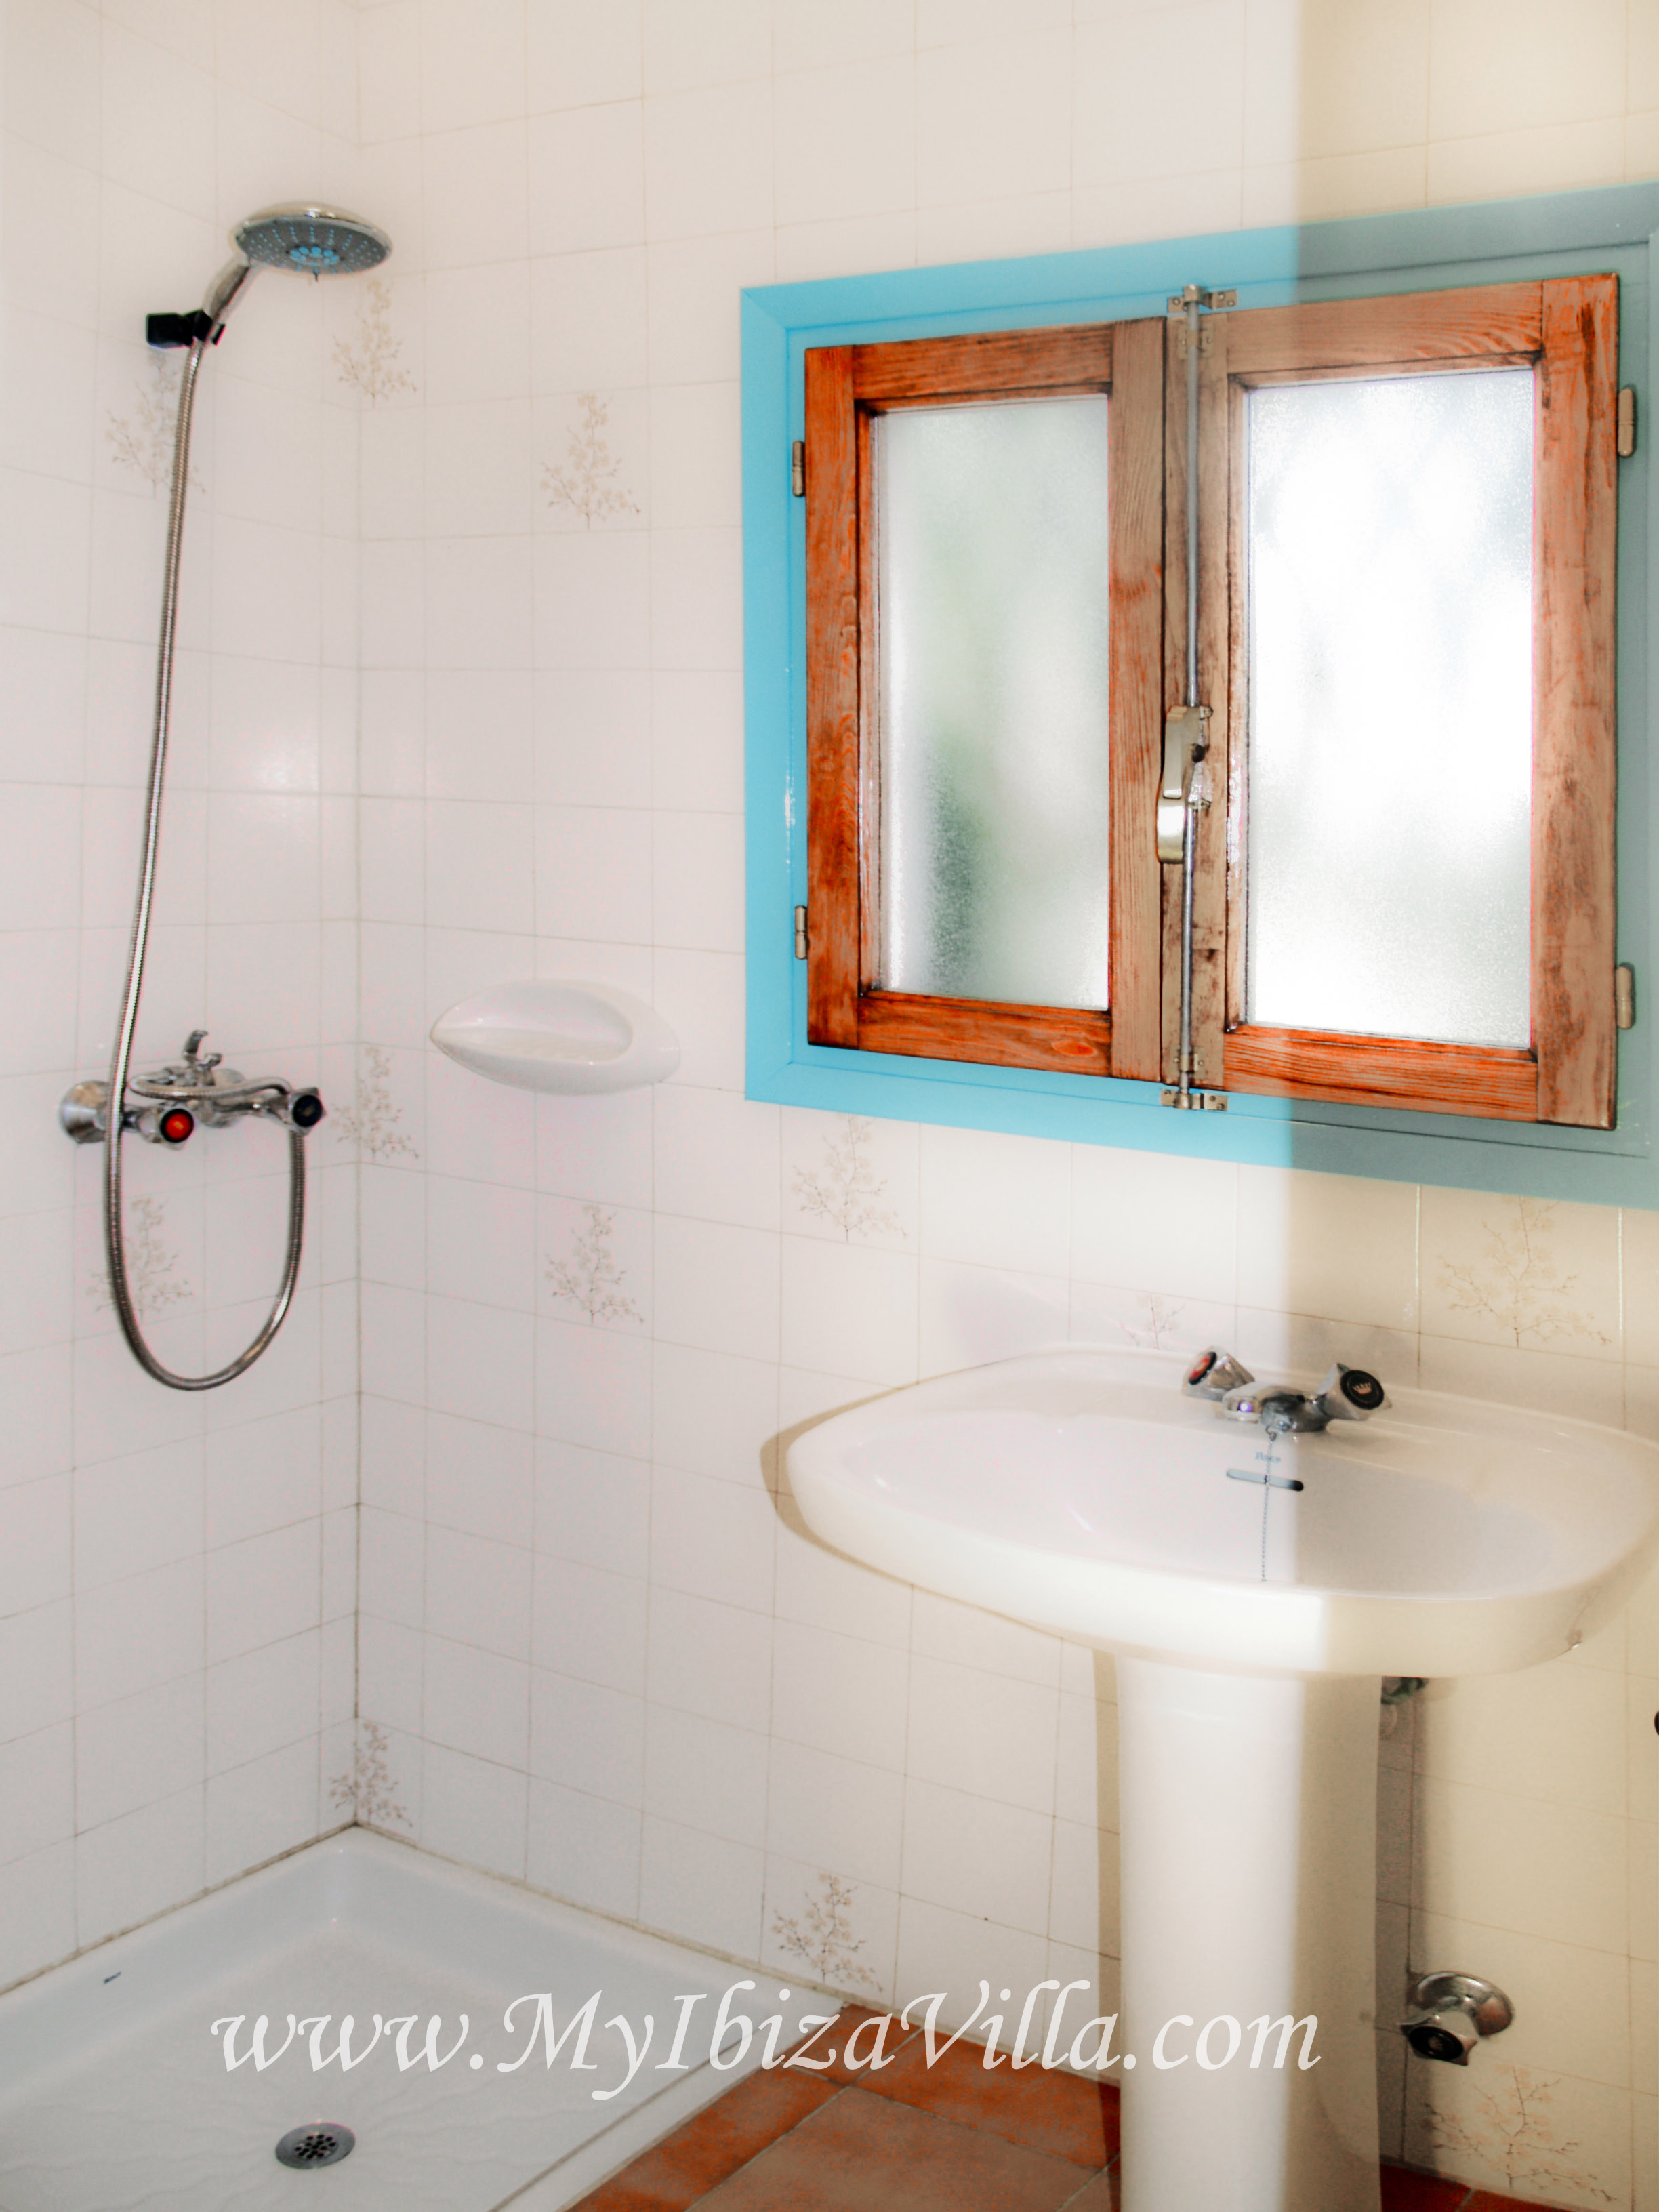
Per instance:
x=193, y=1089
x=1348, y=1393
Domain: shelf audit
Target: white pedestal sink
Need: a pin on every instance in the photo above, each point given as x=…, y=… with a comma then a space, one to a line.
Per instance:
x=1078, y=1491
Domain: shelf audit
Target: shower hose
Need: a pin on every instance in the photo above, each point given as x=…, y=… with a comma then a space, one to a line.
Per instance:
x=114, y=1245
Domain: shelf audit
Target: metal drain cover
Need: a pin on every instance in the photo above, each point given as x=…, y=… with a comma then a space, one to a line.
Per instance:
x=323, y=2142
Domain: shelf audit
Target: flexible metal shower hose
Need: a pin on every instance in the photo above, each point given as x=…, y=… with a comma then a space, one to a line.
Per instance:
x=114, y=1244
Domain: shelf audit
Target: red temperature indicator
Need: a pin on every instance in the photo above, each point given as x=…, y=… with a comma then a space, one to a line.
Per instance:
x=177, y=1124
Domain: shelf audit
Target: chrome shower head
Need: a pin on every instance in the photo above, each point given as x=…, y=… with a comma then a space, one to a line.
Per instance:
x=318, y=241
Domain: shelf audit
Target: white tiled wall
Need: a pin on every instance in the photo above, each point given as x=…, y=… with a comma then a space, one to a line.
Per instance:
x=608, y=1659
x=461, y=702
x=176, y=1575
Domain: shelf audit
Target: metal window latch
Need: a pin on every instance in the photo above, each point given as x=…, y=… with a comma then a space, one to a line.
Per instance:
x=1624, y=998
x=800, y=933
x=1626, y=422
x=1186, y=739
x=797, y=468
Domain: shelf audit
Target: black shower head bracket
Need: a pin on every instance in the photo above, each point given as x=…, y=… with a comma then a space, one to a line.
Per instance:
x=161, y=330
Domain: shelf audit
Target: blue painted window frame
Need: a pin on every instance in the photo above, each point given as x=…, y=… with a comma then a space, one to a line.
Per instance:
x=1562, y=234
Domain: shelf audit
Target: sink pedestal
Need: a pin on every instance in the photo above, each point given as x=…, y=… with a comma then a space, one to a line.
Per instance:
x=1249, y=1889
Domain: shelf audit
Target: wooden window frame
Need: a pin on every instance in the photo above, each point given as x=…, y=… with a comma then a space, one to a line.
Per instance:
x=1566, y=329
x=846, y=387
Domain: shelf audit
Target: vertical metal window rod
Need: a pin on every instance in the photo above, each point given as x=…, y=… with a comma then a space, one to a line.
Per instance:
x=1195, y=300
x=1186, y=739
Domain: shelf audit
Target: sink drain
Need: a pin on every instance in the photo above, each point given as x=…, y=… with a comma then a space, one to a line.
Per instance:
x=324, y=2143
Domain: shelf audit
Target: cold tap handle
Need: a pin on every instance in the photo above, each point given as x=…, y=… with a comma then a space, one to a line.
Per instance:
x=1351, y=1394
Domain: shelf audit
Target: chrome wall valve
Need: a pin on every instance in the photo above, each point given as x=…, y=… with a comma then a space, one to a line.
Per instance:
x=1449, y=2014
x=168, y=1103
x=83, y=1114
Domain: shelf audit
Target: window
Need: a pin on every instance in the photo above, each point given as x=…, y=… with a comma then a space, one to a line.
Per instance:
x=1403, y=884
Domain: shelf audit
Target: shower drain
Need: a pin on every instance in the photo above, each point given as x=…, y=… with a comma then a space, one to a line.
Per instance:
x=324, y=2143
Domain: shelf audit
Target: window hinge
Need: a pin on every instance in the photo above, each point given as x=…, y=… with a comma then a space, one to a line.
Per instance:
x=1200, y=1101
x=1624, y=998
x=1626, y=422
x=1197, y=296
x=797, y=468
x=800, y=933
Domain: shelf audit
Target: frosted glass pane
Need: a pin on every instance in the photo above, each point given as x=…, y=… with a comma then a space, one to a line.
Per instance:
x=1390, y=551
x=993, y=594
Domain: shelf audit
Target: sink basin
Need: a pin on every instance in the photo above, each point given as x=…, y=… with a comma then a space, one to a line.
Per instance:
x=1078, y=1491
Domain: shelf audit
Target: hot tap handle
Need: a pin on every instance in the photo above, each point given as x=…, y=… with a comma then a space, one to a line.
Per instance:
x=1213, y=1374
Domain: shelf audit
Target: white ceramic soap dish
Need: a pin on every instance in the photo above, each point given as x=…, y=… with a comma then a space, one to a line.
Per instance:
x=559, y=1035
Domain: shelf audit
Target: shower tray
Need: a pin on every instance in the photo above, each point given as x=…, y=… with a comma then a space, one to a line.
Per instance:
x=114, y=2094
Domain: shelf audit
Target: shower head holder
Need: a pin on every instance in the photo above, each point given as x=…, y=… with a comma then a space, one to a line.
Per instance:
x=165, y=330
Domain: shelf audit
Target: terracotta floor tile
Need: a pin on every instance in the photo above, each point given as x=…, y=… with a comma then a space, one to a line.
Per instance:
x=954, y=2137
x=848, y=2021
x=1406, y=2192
x=1040, y=2106
x=865, y=2153
x=1100, y=2195
x=716, y=2143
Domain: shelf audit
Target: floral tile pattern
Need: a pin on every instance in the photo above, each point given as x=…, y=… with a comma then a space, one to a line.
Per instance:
x=140, y=439
x=1522, y=2131
x=1638, y=1240
x=152, y=1266
x=371, y=1121
x=368, y=360
x=589, y=1275
x=844, y=1189
x=589, y=482
x=1517, y=1281
x=1103, y=1313
x=819, y=1937
x=1158, y=1322
x=366, y=1788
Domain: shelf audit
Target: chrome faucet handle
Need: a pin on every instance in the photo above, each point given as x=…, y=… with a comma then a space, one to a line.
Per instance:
x=1351, y=1394
x=1275, y=1405
x=1213, y=1374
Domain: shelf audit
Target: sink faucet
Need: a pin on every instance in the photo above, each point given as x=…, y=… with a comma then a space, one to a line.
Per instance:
x=1348, y=1393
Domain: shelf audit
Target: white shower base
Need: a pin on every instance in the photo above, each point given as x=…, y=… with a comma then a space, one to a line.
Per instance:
x=114, y=2094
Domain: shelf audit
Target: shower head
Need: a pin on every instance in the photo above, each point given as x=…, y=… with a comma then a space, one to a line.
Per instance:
x=318, y=241
x=321, y=241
